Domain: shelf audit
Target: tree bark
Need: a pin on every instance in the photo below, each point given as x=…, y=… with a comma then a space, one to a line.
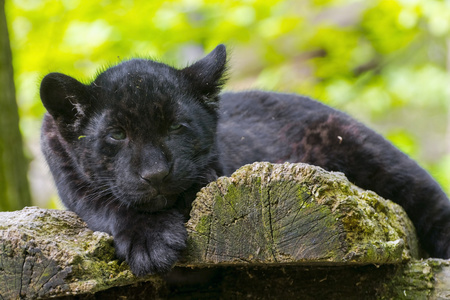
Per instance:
x=14, y=190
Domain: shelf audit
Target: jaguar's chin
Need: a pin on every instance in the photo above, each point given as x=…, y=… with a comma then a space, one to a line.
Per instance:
x=154, y=204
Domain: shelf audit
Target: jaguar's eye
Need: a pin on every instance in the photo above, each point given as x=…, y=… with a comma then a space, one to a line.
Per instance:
x=118, y=135
x=175, y=127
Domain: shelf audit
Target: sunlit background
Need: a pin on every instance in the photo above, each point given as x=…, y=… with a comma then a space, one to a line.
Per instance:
x=385, y=62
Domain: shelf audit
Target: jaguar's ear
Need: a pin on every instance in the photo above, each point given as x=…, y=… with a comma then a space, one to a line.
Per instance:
x=63, y=96
x=208, y=74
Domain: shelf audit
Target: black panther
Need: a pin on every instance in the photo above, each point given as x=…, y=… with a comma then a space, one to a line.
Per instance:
x=130, y=150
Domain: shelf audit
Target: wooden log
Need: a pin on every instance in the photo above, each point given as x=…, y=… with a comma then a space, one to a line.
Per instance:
x=47, y=253
x=267, y=231
x=427, y=279
x=273, y=213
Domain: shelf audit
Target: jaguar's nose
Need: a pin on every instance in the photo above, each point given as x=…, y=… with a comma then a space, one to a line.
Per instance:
x=155, y=175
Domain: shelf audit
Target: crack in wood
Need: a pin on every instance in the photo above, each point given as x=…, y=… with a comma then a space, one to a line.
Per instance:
x=235, y=220
x=32, y=264
x=18, y=271
x=272, y=241
x=209, y=235
x=21, y=272
x=49, y=260
x=4, y=271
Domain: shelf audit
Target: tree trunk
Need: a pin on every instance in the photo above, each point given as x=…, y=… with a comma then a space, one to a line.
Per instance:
x=14, y=190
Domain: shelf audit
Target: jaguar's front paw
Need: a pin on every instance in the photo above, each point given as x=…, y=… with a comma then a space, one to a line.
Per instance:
x=153, y=244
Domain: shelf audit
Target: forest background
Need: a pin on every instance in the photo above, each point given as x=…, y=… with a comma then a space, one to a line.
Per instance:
x=385, y=62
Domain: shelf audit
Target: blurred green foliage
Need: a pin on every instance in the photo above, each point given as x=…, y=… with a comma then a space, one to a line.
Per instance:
x=386, y=62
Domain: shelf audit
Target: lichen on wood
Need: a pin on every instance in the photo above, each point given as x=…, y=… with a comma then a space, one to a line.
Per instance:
x=285, y=213
x=47, y=253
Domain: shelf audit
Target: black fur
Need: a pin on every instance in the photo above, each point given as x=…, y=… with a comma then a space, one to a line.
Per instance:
x=129, y=151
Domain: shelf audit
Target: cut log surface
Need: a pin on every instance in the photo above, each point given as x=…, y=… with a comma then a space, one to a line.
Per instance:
x=45, y=253
x=285, y=213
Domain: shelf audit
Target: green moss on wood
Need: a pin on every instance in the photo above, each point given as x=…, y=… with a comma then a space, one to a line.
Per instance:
x=53, y=253
x=296, y=213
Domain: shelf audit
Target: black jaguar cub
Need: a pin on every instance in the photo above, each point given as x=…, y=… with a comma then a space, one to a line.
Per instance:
x=129, y=151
